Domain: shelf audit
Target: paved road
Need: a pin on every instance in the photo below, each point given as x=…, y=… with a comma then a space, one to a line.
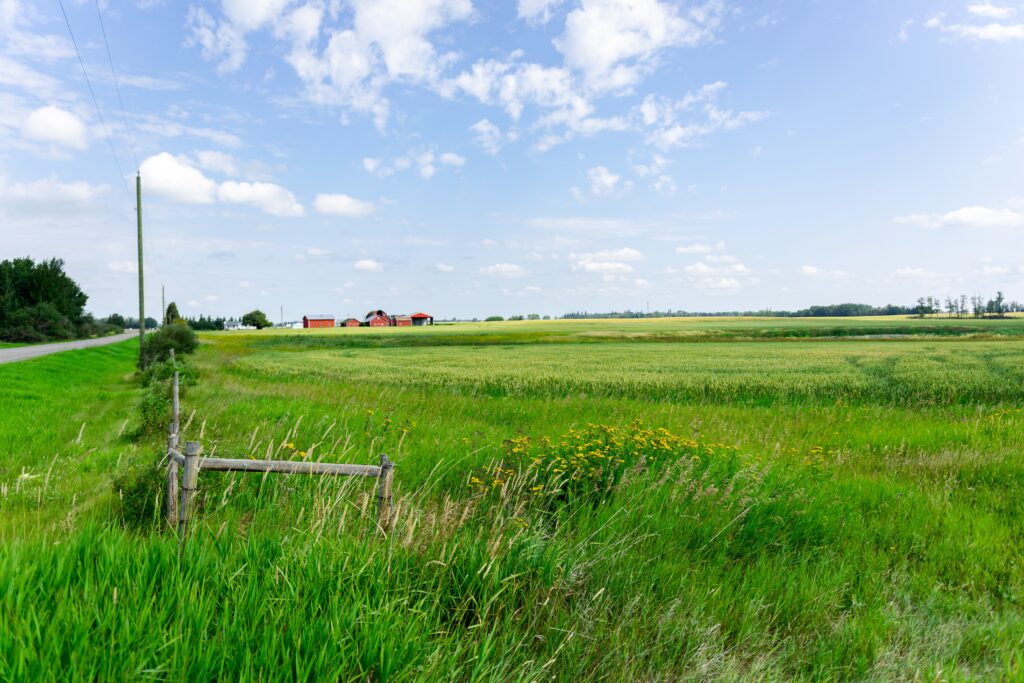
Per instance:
x=36, y=350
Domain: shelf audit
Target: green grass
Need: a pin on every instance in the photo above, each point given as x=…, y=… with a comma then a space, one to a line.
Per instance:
x=848, y=509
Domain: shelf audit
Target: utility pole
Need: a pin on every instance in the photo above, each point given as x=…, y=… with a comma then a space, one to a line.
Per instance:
x=142, y=304
x=163, y=306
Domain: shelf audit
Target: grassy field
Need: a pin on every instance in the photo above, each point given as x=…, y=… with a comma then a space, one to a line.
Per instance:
x=585, y=500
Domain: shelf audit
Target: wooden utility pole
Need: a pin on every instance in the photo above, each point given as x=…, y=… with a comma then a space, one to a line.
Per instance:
x=163, y=306
x=142, y=304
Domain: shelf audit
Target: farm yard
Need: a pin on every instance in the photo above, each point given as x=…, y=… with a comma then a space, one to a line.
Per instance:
x=678, y=499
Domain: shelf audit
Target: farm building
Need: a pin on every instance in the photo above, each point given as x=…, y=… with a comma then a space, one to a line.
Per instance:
x=401, y=321
x=349, y=322
x=422, y=319
x=235, y=325
x=377, y=319
x=318, y=320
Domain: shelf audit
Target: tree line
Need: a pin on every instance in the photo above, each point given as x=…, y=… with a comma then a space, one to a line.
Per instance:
x=955, y=307
x=39, y=302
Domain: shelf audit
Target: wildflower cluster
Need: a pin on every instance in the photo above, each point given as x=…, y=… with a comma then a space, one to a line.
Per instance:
x=586, y=464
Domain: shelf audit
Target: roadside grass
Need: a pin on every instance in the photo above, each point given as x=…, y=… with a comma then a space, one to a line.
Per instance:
x=848, y=520
x=61, y=435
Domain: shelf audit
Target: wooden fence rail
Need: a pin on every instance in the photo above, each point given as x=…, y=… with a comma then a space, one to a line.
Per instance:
x=183, y=473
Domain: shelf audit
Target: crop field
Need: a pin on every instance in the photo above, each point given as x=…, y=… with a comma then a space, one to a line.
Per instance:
x=655, y=500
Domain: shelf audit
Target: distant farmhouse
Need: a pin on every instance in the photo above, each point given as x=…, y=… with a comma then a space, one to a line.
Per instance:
x=379, y=318
x=376, y=318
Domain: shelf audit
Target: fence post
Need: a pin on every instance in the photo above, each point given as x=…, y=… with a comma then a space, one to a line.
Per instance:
x=188, y=487
x=387, y=473
x=172, y=479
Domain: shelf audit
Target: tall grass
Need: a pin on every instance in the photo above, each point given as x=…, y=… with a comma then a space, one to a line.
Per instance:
x=817, y=534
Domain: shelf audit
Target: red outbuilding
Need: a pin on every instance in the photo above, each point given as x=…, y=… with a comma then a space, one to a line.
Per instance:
x=376, y=319
x=422, y=319
x=349, y=322
x=401, y=321
x=318, y=320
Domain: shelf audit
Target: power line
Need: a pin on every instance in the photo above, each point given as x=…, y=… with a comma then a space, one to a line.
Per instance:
x=117, y=87
x=95, y=102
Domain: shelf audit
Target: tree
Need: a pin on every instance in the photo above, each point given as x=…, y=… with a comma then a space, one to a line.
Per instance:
x=39, y=301
x=533, y=316
x=116, y=319
x=257, y=319
x=157, y=346
x=171, y=315
x=493, y=319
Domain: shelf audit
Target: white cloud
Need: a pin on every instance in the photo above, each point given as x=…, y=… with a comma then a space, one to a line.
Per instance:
x=695, y=249
x=174, y=178
x=506, y=270
x=604, y=267
x=49, y=191
x=990, y=11
x=615, y=42
x=452, y=159
x=57, y=126
x=444, y=268
x=537, y=11
x=368, y=265
x=994, y=31
x=968, y=217
x=665, y=118
x=822, y=273
x=488, y=136
x=623, y=254
x=342, y=205
x=604, y=183
x=219, y=162
x=271, y=198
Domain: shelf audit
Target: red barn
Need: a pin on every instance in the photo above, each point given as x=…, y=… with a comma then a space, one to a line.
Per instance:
x=401, y=321
x=317, y=320
x=422, y=319
x=349, y=322
x=376, y=319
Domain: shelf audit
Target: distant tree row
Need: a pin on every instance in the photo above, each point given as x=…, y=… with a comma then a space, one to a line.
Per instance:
x=957, y=307
x=499, y=318
x=964, y=307
x=39, y=302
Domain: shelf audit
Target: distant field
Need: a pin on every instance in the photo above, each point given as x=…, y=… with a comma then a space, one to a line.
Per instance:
x=803, y=500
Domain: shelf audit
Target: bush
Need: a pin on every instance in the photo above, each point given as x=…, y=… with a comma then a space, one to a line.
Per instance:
x=494, y=319
x=158, y=345
x=41, y=322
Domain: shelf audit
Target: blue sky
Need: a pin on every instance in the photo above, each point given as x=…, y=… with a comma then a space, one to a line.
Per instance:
x=470, y=158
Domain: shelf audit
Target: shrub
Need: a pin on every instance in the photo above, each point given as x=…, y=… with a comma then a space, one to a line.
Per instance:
x=158, y=345
x=494, y=319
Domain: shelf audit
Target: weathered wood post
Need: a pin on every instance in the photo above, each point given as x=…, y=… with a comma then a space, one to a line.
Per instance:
x=387, y=474
x=172, y=478
x=188, y=487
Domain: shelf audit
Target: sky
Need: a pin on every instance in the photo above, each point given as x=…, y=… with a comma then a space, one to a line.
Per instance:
x=470, y=158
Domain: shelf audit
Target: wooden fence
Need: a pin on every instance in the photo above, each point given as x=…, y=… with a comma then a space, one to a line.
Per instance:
x=183, y=473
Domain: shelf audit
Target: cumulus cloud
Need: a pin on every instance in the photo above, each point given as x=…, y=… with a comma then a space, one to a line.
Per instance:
x=505, y=270
x=176, y=179
x=452, y=159
x=269, y=197
x=608, y=262
x=967, y=217
x=56, y=126
x=613, y=43
x=218, y=162
x=342, y=205
x=368, y=265
x=604, y=183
